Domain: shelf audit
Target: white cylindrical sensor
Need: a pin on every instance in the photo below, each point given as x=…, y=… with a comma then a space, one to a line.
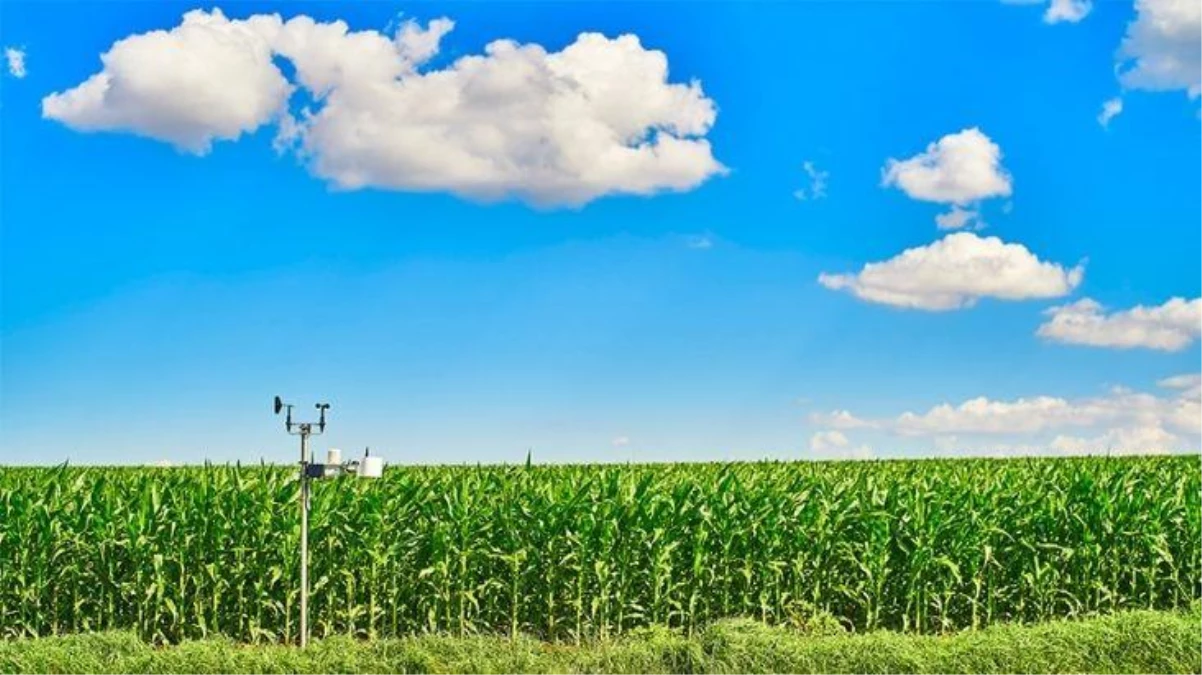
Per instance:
x=334, y=456
x=371, y=467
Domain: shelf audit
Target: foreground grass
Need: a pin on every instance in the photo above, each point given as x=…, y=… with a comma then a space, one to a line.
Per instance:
x=1129, y=642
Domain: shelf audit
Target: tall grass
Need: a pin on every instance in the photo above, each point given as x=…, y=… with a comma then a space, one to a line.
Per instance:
x=592, y=551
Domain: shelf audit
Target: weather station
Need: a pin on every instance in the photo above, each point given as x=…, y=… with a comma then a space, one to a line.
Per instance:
x=370, y=466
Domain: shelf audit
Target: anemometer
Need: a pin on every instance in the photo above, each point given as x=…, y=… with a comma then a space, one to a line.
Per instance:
x=368, y=467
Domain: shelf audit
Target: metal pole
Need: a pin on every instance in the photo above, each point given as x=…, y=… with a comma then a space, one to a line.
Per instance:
x=304, y=542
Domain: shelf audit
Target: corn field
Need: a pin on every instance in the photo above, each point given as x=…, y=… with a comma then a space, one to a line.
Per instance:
x=577, y=552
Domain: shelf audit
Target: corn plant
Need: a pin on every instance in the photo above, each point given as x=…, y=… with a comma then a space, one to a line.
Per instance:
x=577, y=552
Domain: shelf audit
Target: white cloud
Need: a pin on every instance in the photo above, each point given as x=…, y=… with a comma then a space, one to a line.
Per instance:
x=1191, y=383
x=1058, y=11
x=1186, y=409
x=1122, y=420
x=834, y=445
x=416, y=45
x=824, y=441
x=817, y=183
x=1120, y=408
x=620, y=442
x=563, y=128
x=983, y=416
x=16, y=61
x=207, y=79
x=960, y=168
x=1110, y=110
x=1162, y=50
x=946, y=444
x=840, y=419
x=1070, y=11
x=959, y=218
x=1186, y=412
x=992, y=448
x=956, y=271
x=1184, y=381
x=1168, y=327
x=700, y=242
x=1123, y=441
x=552, y=128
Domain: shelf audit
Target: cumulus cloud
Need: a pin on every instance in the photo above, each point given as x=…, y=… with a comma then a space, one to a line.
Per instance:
x=16, y=61
x=1162, y=49
x=834, y=445
x=1186, y=412
x=824, y=441
x=1146, y=440
x=1070, y=11
x=1121, y=420
x=620, y=442
x=1167, y=327
x=955, y=272
x=416, y=45
x=1190, y=385
x=958, y=218
x=1184, y=381
x=1059, y=11
x=207, y=79
x=839, y=419
x=598, y=117
x=562, y=128
x=1110, y=110
x=960, y=168
x=817, y=183
x=983, y=416
x=1120, y=408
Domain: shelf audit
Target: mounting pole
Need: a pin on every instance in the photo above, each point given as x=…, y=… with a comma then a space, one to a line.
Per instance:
x=304, y=536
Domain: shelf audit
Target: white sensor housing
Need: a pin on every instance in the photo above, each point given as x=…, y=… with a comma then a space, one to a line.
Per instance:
x=371, y=467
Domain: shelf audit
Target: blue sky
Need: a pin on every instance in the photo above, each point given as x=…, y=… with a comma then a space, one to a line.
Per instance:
x=157, y=293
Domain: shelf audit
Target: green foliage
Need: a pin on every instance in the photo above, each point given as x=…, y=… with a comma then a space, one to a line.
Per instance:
x=591, y=552
x=1127, y=642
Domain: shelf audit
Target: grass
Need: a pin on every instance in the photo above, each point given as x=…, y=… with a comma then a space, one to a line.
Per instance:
x=1126, y=642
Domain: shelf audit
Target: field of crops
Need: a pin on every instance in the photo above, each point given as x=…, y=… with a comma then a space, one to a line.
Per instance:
x=592, y=551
